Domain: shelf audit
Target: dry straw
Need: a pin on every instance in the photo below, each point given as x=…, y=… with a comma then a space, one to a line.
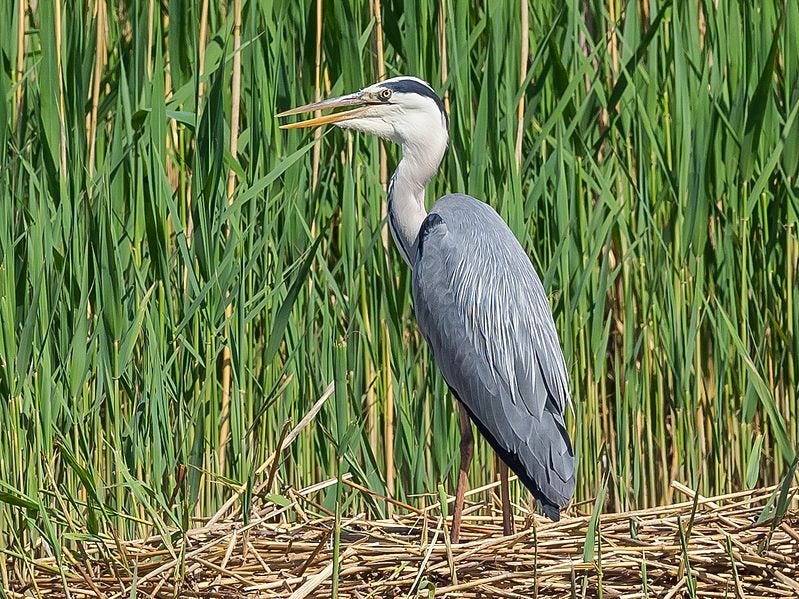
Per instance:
x=704, y=547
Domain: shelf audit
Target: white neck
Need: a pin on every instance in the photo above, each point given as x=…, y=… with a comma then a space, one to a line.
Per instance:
x=406, y=210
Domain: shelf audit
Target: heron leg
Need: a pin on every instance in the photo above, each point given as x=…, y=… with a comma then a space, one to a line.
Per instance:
x=467, y=451
x=504, y=492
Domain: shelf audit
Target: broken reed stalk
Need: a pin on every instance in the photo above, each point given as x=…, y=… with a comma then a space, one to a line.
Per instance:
x=639, y=551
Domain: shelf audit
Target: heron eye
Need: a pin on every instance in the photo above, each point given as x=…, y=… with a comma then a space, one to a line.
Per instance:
x=384, y=94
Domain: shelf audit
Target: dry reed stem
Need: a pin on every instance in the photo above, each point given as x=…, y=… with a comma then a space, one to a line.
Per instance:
x=317, y=148
x=442, y=33
x=99, y=63
x=524, y=55
x=403, y=556
x=224, y=416
x=387, y=391
x=380, y=67
x=371, y=395
x=20, y=72
x=62, y=125
x=201, y=51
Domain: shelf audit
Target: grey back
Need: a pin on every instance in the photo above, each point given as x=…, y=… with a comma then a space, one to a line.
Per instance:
x=483, y=310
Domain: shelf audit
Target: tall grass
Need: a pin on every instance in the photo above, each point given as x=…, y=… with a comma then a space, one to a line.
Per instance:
x=656, y=191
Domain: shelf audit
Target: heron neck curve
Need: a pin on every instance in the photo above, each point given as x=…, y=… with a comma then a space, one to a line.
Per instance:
x=406, y=210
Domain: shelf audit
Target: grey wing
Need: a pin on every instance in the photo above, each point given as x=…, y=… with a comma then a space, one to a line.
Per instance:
x=483, y=311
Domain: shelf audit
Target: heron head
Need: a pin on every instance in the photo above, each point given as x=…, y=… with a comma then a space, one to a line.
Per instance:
x=404, y=110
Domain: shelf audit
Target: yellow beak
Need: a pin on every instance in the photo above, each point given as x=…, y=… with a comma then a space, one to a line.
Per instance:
x=339, y=102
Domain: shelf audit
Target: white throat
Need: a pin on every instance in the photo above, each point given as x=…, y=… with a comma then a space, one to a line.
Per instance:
x=406, y=210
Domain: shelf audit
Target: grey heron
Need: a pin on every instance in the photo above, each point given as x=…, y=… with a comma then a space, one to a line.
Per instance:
x=478, y=300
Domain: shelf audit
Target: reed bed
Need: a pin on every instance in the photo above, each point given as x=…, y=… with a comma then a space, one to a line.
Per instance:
x=704, y=547
x=180, y=281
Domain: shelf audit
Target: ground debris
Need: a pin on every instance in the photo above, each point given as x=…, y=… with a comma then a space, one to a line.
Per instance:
x=282, y=552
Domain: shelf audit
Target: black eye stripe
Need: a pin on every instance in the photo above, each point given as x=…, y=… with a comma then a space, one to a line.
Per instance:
x=411, y=86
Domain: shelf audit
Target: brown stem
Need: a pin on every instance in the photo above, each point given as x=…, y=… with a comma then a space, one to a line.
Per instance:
x=442, y=32
x=203, y=40
x=20, y=58
x=524, y=56
x=63, y=131
x=235, y=90
x=317, y=97
x=388, y=423
x=381, y=74
x=99, y=62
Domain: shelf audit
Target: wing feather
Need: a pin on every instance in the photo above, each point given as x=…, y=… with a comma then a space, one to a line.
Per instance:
x=483, y=310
